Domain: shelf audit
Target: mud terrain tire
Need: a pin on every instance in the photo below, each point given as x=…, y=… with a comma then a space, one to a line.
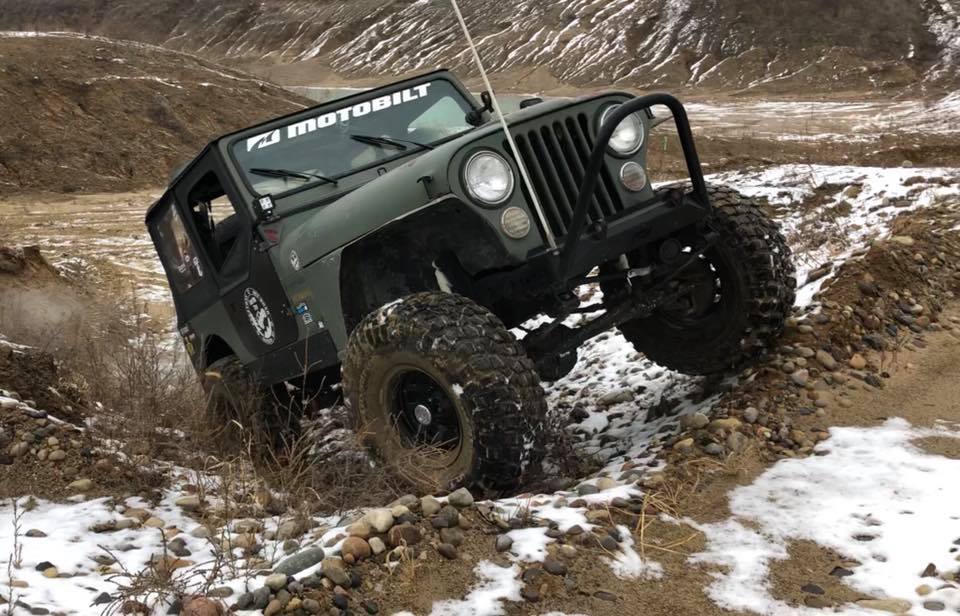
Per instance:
x=460, y=363
x=755, y=259
x=240, y=412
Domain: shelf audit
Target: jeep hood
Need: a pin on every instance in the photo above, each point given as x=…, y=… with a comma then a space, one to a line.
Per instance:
x=394, y=195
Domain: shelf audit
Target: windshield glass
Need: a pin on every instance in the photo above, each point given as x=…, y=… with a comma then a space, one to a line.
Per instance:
x=326, y=146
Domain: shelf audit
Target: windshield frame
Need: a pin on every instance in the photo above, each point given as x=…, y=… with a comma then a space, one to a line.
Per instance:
x=283, y=121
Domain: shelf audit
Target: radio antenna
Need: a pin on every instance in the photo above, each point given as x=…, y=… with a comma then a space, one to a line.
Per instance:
x=551, y=240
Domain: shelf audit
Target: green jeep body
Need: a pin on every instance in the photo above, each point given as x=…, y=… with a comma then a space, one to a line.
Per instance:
x=290, y=266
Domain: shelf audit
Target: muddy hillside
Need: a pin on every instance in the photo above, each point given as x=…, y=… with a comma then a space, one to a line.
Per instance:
x=85, y=114
x=736, y=44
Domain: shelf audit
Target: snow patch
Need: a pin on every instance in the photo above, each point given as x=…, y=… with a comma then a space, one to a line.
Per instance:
x=628, y=565
x=498, y=584
x=870, y=495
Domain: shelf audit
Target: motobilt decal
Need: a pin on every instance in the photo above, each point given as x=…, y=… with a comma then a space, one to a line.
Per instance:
x=310, y=125
x=259, y=315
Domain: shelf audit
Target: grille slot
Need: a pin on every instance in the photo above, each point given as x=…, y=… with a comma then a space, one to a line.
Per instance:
x=556, y=156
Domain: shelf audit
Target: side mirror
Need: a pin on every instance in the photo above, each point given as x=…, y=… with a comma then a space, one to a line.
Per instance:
x=530, y=102
x=475, y=116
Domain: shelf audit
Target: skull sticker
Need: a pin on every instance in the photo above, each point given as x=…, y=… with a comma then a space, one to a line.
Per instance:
x=259, y=315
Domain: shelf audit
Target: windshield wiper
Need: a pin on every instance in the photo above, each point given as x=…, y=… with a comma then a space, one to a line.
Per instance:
x=298, y=175
x=390, y=141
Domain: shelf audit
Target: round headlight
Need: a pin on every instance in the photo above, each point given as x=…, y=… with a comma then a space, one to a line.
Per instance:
x=628, y=136
x=488, y=177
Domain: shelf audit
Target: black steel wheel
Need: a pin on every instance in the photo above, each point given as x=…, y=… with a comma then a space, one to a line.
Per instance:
x=445, y=394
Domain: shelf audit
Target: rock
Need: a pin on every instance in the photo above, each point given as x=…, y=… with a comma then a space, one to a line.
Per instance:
x=903, y=240
x=290, y=529
x=683, y=445
x=293, y=565
x=33, y=532
x=371, y=607
x=800, y=378
x=179, y=547
x=852, y=191
x=530, y=594
x=261, y=597
x=333, y=570
x=604, y=595
x=380, y=520
x=312, y=606
x=924, y=589
x=826, y=360
x=275, y=581
x=504, y=543
x=606, y=483
x=751, y=414
x=568, y=551
x=429, y=506
x=201, y=606
x=586, y=489
x=812, y=589
x=804, y=352
x=154, y=523
x=714, y=449
x=446, y=518
x=103, y=599
x=857, y=362
x=448, y=551
x=453, y=536
x=403, y=535
x=934, y=606
x=50, y=572
x=377, y=546
x=19, y=449
x=554, y=566
x=200, y=532
x=188, y=502
x=616, y=397
x=356, y=548
x=893, y=606
x=57, y=455
x=80, y=485
x=728, y=423
x=274, y=607
x=248, y=526
x=598, y=516
x=360, y=528
x=736, y=442
x=400, y=511
x=696, y=421
x=460, y=498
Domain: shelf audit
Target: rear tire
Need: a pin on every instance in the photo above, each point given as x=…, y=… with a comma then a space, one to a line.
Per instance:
x=445, y=394
x=755, y=291
x=240, y=412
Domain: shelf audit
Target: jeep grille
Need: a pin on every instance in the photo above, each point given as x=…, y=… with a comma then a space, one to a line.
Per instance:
x=556, y=155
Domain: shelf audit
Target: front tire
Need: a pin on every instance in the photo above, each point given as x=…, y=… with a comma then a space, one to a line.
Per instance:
x=742, y=314
x=445, y=394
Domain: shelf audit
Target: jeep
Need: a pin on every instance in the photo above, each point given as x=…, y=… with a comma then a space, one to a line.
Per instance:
x=388, y=244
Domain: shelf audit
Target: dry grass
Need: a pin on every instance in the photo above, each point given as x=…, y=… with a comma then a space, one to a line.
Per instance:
x=162, y=581
x=15, y=558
